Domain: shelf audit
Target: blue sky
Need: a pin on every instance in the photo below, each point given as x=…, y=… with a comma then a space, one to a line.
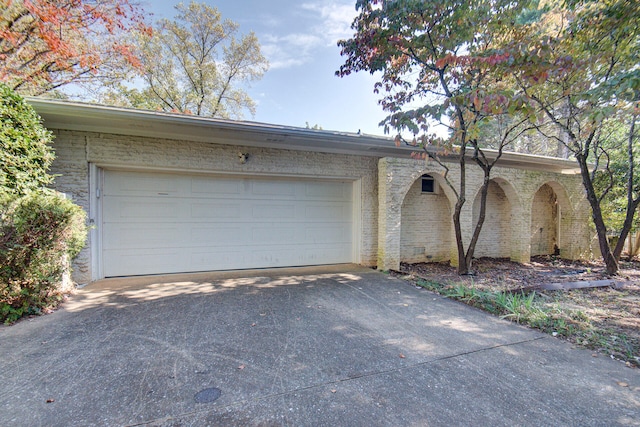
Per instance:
x=299, y=38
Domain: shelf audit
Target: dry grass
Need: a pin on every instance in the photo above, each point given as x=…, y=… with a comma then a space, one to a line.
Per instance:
x=606, y=320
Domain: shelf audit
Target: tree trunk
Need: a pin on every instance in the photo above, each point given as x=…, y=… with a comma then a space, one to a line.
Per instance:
x=463, y=266
x=626, y=228
x=609, y=259
x=484, y=190
x=632, y=204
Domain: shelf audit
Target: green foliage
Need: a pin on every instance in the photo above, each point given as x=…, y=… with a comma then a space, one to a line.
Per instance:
x=436, y=61
x=491, y=71
x=578, y=65
x=437, y=66
x=611, y=179
x=517, y=307
x=39, y=233
x=314, y=127
x=25, y=151
x=203, y=63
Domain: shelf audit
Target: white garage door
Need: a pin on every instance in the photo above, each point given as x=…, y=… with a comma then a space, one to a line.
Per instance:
x=168, y=223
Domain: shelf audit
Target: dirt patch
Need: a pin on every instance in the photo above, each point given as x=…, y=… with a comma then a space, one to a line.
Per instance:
x=604, y=319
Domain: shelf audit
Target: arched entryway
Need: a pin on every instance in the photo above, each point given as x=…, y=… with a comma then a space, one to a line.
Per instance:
x=544, y=222
x=426, y=224
x=550, y=204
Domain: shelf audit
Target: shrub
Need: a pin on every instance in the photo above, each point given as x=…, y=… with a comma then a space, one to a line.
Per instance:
x=25, y=151
x=39, y=233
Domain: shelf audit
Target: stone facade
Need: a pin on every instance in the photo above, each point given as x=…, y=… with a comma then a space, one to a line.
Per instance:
x=528, y=212
x=426, y=227
x=513, y=211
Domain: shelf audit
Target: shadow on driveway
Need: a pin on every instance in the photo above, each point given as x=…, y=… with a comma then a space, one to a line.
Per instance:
x=338, y=345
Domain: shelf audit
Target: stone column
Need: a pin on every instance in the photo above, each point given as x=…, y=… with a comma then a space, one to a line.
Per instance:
x=389, y=217
x=521, y=231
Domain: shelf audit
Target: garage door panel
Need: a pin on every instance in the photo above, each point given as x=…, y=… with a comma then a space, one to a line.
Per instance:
x=328, y=234
x=140, y=208
x=128, y=208
x=328, y=191
x=283, y=189
x=122, y=262
x=137, y=236
x=274, y=256
x=327, y=254
x=222, y=259
x=272, y=211
x=140, y=184
x=326, y=211
x=205, y=187
x=221, y=232
x=184, y=223
x=272, y=234
x=211, y=210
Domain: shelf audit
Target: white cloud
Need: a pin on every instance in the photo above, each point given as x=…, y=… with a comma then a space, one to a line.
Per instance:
x=271, y=21
x=336, y=18
x=326, y=23
x=289, y=50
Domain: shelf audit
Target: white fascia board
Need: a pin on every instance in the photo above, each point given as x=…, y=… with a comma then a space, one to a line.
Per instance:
x=75, y=116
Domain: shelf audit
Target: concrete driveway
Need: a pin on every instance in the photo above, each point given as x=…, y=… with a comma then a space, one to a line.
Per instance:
x=339, y=346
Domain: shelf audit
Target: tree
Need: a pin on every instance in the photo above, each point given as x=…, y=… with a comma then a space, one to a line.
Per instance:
x=314, y=127
x=438, y=65
x=45, y=44
x=26, y=152
x=203, y=62
x=578, y=65
x=611, y=182
x=40, y=230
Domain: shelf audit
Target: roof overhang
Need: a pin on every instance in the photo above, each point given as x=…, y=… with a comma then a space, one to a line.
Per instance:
x=75, y=116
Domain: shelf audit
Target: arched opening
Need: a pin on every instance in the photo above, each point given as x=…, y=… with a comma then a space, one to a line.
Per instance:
x=545, y=216
x=496, y=235
x=426, y=225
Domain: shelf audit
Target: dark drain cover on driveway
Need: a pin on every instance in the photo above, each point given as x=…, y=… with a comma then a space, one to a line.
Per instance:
x=207, y=395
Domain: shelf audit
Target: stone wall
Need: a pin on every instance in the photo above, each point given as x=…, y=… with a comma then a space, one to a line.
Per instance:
x=76, y=150
x=426, y=229
x=509, y=215
x=495, y=238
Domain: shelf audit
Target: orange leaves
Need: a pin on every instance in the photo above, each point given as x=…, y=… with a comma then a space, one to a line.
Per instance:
x=497, y=59
x=477, y=102
x=128, y=54
x=47, y=43
x=465, y=60
x=448, y=59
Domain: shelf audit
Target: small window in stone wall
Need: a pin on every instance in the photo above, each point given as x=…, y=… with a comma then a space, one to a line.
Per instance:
x=429, y=185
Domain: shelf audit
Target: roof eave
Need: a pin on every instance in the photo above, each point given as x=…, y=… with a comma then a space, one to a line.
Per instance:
x=76, y=116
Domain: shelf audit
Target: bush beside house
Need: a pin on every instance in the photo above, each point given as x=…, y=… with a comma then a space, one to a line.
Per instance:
x=40, y=230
